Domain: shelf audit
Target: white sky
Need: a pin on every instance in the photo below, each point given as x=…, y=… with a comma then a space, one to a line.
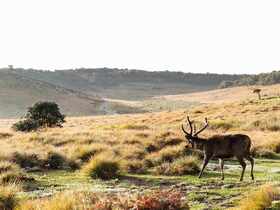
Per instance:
x=223, y=36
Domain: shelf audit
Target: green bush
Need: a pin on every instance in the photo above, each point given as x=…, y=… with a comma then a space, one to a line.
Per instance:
x=102, y=167
x=26, y=125
x=41, y=114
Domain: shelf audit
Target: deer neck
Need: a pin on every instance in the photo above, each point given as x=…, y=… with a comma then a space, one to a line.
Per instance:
x=199, y=140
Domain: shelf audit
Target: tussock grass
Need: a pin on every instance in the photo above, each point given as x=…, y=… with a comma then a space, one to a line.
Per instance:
x=102, y=166
x=258, y=200
x=224, y=124
x=167, y=154
x=85, y=152
x=181, y=166
x=8, y=199
x=268, y=123
x=133, y=166
x=27, y=160
x=6, y=166
x=61, y=201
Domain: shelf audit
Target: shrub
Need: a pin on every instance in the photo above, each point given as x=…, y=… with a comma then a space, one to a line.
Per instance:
x=8, y=199
x=156, y=200
x=26, y=125
x=102, y=167
x=160, y=200
x=41, y=114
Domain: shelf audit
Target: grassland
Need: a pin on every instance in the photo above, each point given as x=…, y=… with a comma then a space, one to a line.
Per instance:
x=151, y=152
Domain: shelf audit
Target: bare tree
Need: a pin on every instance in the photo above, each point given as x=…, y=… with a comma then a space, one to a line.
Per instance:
x=221, y=147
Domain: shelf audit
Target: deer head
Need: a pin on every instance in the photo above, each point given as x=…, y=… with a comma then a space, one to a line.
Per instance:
x=192, y=136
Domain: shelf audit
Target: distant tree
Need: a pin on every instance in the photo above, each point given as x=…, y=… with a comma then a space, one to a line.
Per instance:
x=41, y=114
x=258, y=92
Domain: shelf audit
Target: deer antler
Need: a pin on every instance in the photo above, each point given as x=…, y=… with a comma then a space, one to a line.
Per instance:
x=202, y=129
x=191, y=128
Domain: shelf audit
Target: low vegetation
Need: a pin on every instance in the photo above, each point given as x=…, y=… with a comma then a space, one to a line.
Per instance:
x=102, y=166
x=143, y=153
x=41, y=114
x=258, y=200
x=8, y=198
x=158, y=200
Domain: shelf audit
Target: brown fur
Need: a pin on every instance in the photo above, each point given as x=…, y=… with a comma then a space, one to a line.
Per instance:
x=221, y=147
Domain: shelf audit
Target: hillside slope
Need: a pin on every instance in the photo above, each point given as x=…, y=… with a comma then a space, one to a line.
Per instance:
x=18, y=92
x=129, y=84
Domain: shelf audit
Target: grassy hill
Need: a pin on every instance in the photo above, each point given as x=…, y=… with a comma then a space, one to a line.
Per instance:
x=18, y=92
x=129, y=84
x=151, y=151
x=107, y=91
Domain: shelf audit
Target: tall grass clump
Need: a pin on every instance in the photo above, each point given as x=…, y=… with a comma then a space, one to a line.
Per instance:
x=181, y=166
x=102, y=166
x=167, y=154
x=85, y=152
x=61, y=201
x=258, y=200
x=6, y=166
x=26, y=160
x=224, y=124
x=268, y=123
x=8, y=199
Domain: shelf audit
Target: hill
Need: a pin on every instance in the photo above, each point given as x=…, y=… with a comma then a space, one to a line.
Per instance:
x=18, y=92
x=129, y=84
x=105, y=91
x=151, y=151
x=258, y=79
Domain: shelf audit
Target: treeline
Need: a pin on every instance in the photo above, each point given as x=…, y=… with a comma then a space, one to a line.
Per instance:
x=259, y=79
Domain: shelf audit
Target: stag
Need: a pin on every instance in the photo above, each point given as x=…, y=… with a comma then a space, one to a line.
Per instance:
x=221, y=147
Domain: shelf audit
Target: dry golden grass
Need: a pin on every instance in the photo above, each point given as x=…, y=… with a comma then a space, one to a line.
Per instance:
x=153, y=137
x=258, y=200
x=141, y=140
x=140, y=143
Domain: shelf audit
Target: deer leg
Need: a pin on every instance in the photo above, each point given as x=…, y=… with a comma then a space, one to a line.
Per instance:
x=222, y=168
x=252, y=165
x=205, y=162
x=243, y=164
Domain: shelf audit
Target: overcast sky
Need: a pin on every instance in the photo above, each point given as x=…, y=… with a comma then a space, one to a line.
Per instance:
x=223, y=36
